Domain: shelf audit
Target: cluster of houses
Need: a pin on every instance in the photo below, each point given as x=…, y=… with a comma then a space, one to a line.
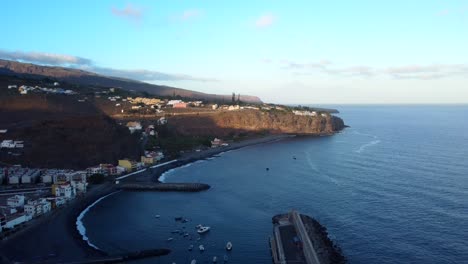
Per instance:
x=15, y=175
x=149, y=130
x=24, y=89
x=216, y=143
x=9, y=143
x=308, y=113
x=19, y=208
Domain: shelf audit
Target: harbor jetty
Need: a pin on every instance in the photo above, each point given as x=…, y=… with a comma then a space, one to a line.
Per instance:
x=164, y=187
x=127, y=257
x=301, y=239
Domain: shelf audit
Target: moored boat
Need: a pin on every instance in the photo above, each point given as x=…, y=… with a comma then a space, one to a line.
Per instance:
x=201, y=247
x=229, y=246
x=203, y=229
x=215, y=259
x=190, y=247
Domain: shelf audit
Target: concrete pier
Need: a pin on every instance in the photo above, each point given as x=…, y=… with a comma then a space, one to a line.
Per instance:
x=291, y=242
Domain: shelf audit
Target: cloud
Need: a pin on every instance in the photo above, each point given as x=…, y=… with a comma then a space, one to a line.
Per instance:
x=130, y=12
x=265, y=21
x=190, y=14
x=147, y=75
x=419, y=72
x=443, y=12
x=44, y=58
x=88, y=65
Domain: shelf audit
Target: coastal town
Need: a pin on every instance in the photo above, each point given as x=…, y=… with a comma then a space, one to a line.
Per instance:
x=31, y=194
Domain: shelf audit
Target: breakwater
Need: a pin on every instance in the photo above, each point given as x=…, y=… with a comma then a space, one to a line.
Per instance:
x=164, y=187
x=127, y=257
x=292, y=231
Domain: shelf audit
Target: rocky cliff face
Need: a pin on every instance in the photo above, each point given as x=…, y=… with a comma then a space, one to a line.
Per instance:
x=225, y=123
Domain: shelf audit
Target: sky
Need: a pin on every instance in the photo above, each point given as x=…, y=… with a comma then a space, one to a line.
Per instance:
x=290, y=52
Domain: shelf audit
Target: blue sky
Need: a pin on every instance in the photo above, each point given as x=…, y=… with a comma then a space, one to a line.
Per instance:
x=305, y=52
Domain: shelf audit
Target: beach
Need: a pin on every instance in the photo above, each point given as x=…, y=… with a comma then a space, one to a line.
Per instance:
x=55, y=238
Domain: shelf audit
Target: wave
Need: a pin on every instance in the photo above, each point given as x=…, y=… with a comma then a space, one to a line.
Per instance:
x=363, y=147
x=163, y=177
x=364, y=134
x=79, y=220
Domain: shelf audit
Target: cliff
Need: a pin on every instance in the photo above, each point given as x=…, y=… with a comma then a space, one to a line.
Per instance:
x=252, y=121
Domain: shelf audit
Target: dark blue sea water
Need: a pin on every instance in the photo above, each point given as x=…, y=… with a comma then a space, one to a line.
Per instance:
x=392, y=188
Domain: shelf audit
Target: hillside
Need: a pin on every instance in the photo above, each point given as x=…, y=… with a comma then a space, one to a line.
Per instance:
x=75, y=76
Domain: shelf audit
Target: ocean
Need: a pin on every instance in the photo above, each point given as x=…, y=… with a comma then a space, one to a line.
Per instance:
x=391, y=188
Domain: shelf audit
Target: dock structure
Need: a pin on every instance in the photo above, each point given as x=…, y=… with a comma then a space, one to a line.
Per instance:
x=291, y=242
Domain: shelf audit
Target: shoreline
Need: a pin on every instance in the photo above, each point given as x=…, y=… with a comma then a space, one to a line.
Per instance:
x=62, y=226
x=192, y=157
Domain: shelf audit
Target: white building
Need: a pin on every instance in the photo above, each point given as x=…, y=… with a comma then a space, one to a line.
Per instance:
x=65, y=190
x=305, y=113
x=37, y=207
x=14, y=179
x=16, y=201
x=79, y=186
x=46, y=178
x=30, y=176
x=12, y=86
x=173, y=102
x=7, y=143
x=16, y=219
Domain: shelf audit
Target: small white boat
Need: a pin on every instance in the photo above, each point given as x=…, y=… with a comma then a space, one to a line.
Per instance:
x=215, y=259
x=203, y=229
x=190, y=247
x=201, y=247
x=229, y=246
x=170, y=239
x=157, y=216
x=193, y=261
x=198, y=226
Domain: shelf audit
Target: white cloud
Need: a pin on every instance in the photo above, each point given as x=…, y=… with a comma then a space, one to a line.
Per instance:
x=44, y=58
x=265, y=21
x=421, y=72
x=190, y=14
x=130, y=12
x=148, y=75
x=88, y=65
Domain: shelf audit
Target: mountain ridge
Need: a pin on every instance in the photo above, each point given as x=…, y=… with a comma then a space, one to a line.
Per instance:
x=82, y=77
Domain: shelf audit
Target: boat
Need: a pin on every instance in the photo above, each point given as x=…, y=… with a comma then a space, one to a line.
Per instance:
x=215, y=259
x=198, y=226
x=226, y=258
x=203, y=229
x=229, y=246
x=201, y=247
x=185, y=220
x=186, y=234
x=193, y=261
x=190, y=247
x=170, y=239
x=179, y=218
x=157, y=216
